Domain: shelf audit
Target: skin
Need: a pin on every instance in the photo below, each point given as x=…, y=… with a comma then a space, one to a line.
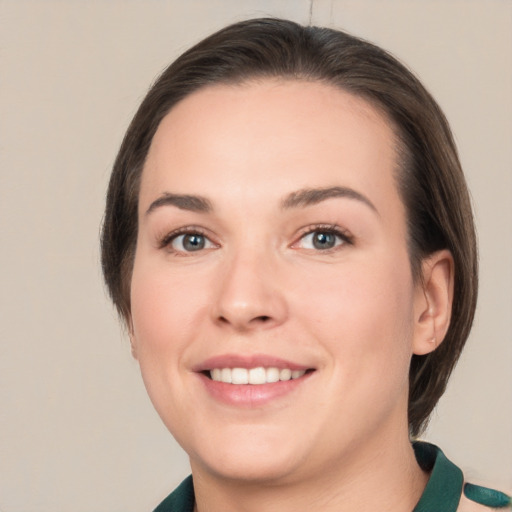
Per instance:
x=352, y=313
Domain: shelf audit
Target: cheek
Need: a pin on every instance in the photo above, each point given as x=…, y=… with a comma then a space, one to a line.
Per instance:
x=364, y=312
x=165, y=307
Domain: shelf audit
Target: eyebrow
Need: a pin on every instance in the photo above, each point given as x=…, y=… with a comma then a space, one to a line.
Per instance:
x=181, y=201
x=311, y=196
x=299, y=199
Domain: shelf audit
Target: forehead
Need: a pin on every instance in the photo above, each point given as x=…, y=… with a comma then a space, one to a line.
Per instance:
x=274, y=134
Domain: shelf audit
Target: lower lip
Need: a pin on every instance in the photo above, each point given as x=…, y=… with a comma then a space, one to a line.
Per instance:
x=251, y=395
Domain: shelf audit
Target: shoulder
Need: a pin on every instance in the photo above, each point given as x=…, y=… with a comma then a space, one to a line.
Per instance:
x=467, y=505
x=480, y=499
x=447, y=488
x=180, y=500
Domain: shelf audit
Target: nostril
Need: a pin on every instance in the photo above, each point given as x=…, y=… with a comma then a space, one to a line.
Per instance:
x=244, y=322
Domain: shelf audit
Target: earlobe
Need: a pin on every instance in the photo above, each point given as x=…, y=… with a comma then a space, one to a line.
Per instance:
x=133, y=349
x=433, y=304
x=133, y=344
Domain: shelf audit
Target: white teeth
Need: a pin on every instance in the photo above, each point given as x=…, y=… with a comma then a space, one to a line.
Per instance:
x=257, y=376
x=254, y=376
x=272, y=375
x=239, y=376
x=225, y=375
x=285, y=374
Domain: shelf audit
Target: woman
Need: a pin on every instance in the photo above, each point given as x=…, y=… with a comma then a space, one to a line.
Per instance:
x=289, y=239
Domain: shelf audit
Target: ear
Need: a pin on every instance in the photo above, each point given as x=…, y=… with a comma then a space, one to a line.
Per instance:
x=133, y=342
x=433, y=302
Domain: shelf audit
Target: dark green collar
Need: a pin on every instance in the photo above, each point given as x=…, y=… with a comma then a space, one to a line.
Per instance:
x=180, y=500
x=444, y=487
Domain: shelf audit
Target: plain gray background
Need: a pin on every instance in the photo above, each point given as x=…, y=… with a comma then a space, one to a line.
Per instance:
x=77, y=431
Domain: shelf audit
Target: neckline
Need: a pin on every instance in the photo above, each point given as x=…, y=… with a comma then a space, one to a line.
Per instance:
x=443, y=490
x=444, y=487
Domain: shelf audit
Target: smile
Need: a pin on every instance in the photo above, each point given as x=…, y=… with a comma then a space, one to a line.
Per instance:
x=256, y=376
x=252, y=381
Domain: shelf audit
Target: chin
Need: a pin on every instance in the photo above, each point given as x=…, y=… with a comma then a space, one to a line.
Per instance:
x=249, y=459
x=250, y=471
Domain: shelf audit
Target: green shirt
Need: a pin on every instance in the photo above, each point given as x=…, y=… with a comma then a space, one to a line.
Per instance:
x=442, y=493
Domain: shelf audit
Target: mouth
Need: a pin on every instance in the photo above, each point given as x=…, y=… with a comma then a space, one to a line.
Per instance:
x=256, y=376
x=253, y=380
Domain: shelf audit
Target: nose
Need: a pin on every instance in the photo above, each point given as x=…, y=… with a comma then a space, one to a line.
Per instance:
x=250, y=294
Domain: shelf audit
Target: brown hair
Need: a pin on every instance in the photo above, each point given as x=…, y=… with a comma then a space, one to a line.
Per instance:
x=430, y=179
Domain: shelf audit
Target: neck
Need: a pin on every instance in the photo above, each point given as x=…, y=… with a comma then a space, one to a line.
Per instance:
x=381, y=475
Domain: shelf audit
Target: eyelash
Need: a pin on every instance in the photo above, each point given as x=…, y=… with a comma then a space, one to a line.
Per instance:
x=330, y=229
x=166, y=241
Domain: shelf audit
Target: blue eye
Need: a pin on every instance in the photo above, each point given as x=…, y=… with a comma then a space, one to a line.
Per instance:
x=322, y=240
x=190, y=242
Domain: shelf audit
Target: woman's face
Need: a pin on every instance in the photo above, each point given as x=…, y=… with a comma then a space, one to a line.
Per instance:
x=272, y=246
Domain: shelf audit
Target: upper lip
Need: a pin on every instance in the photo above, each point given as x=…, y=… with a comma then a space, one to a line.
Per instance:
x=248, y=361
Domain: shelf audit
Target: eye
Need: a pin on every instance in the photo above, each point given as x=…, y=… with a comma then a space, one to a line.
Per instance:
x=323, y=239
x=187, y=242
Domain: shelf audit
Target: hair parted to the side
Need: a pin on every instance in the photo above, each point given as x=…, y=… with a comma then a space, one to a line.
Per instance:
x=430, y=179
